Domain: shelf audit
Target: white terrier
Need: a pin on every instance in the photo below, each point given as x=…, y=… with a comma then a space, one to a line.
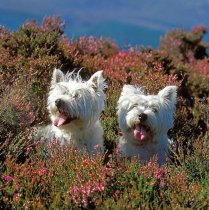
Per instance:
x=75, y=107
x=144, y=121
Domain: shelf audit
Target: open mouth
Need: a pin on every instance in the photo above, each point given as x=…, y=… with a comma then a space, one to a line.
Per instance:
x=141, y=132
x=63, y=119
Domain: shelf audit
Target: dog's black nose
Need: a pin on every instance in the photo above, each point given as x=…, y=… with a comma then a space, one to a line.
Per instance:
x=142, y=117
x=58, y=103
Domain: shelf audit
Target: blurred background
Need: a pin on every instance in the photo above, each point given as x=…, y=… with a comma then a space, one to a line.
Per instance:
x=128, y=23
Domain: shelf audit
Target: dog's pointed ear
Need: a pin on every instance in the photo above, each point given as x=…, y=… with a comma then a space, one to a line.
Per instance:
x=57, y=76
x=97, y=81
x=168, y=94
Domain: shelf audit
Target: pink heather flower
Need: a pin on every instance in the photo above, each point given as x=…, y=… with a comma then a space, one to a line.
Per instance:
x=6, y=142
x=66, y=149
x=7, y=178
x=78, y=176
x=37, y=143
x=17, y=186
x=31, y=117
x=27, y=172
x=16, y=197
x=118, y=150
x=131, y=50
x=80, y=194
x=101, y=186
x=158, y=174
x=117, y=193
x=42, y=171
x=150, y=164
x=28, y=150
x=7, y=88
x=173, y=77
x=199, y=28
x=77, y=150
x=96, y=146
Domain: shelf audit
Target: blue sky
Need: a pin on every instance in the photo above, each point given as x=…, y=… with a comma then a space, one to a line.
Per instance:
x=132, y=22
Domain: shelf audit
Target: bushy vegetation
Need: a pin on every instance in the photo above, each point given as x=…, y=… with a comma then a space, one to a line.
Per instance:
x=67, y=179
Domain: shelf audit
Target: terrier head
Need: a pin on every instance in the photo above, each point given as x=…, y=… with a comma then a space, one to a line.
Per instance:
x=74, y=102
x=144, y=117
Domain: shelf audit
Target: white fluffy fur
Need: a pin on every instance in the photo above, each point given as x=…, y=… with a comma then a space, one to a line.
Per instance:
x=83, y=102
x=159, y=110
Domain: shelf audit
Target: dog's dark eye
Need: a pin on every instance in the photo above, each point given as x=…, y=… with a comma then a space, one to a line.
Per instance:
x=75, y=95
x=154, y=110
x=64, y=90
x=132, y=106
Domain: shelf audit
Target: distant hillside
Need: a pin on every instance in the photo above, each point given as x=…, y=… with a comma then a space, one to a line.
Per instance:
x=123, y=34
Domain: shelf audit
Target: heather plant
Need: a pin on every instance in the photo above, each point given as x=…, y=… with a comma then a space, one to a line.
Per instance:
x=88, y=53
x=119, y=65
x=93, y=46
x=16, y=115
x=199, y=77
x=138, y=185
x=27, y=55
x=184, y=196
x=69, y=178
x=189, y=50
x=109, y=119
x=142, y=68
x=193, y=173
x=38, y=176
x=184, y=46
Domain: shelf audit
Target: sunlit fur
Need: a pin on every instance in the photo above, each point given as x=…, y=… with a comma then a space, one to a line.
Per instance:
x=84, y=102
x=159, y=110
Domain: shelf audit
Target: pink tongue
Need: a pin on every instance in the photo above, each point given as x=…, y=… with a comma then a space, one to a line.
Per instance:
x=60, y=120
x=140, y=133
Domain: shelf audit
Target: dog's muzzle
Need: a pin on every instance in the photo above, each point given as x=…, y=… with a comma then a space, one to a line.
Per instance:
x=61, y=106
x=62, y=116
x=59, y=103
x=142, y=117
